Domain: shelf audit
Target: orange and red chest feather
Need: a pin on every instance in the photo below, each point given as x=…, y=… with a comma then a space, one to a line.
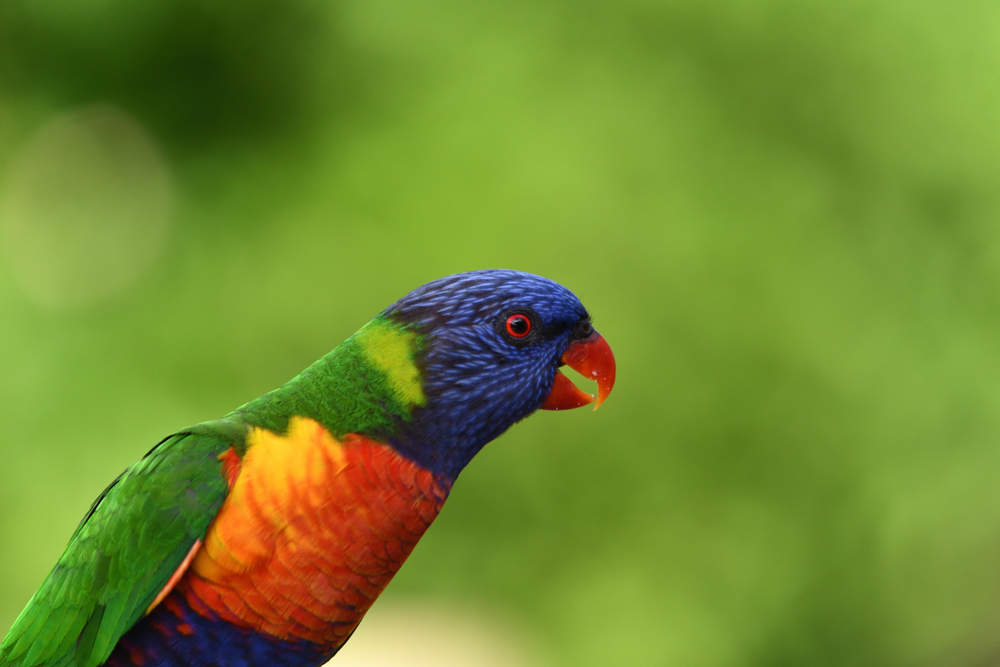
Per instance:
x=312, y=530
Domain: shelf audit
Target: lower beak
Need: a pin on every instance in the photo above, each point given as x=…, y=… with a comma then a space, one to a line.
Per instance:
x=591, y=358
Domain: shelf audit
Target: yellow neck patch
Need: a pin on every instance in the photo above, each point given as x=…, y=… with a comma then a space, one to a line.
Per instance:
x=390, y=349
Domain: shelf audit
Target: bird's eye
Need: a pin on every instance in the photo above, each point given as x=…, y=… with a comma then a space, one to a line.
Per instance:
x=518, y=325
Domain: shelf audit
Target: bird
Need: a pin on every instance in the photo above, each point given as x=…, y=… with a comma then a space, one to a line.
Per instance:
x=263, y=538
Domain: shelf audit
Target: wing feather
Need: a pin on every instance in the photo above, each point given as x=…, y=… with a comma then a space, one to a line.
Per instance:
x=132, y=539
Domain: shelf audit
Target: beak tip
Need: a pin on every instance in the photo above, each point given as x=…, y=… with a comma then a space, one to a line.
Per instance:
x=593, y=359
x=601, y=397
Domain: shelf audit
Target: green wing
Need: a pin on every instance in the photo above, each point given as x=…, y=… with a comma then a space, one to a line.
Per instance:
x=124, y=551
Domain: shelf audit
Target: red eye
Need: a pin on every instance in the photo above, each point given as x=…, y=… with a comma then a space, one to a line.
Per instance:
x=518, y=326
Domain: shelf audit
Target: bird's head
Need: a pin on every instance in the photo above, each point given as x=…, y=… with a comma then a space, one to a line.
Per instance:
x=486, y=351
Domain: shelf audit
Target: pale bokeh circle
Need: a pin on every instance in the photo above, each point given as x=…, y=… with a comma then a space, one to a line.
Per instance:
x=427, y=635
x=85, y=208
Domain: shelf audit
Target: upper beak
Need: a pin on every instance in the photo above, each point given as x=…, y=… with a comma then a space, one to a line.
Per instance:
x=591, y=358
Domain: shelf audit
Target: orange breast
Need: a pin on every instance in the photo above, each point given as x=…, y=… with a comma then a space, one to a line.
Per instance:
x=312, y=531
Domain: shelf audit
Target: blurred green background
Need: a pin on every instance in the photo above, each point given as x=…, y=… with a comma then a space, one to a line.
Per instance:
x=783, y=214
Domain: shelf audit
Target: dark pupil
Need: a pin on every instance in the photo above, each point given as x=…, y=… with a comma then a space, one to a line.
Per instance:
x=519, y=326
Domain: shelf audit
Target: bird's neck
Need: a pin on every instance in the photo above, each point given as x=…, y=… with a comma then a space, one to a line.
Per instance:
x=369, y=384
x=374, y=384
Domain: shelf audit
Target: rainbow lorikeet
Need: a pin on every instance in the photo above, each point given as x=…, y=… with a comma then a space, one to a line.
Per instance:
x=261, y=539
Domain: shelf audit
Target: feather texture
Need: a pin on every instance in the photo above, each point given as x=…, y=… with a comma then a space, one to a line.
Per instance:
x=124, y=551
x=262, y=539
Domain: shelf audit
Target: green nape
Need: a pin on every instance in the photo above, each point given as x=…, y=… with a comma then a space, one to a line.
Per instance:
x=367, y=384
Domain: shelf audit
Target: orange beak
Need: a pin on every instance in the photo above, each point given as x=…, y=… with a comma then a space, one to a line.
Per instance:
x=591, y=358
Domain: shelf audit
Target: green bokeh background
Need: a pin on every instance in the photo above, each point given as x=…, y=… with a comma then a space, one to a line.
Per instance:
x=783, y=215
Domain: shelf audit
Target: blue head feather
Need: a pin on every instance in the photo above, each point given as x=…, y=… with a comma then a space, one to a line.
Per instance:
x=477, y=381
